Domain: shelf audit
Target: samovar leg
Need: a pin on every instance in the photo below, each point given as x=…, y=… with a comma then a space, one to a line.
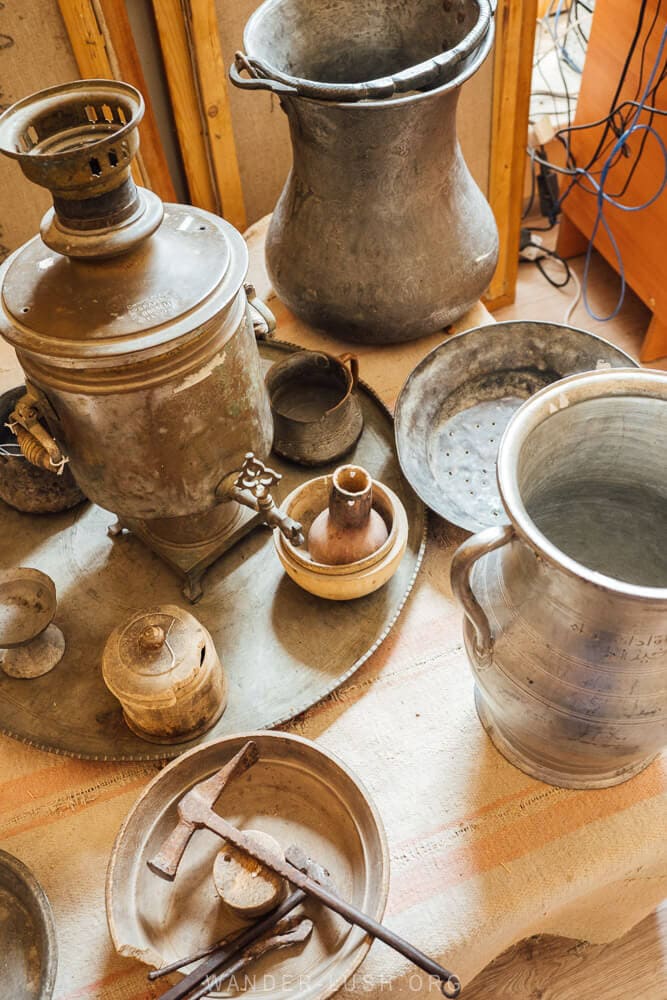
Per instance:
x=192, y=588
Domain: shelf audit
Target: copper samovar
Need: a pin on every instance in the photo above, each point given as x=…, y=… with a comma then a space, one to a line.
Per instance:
x=134, y=329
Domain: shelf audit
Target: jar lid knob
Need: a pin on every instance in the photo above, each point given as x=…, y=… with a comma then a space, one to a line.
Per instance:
x=152, y=637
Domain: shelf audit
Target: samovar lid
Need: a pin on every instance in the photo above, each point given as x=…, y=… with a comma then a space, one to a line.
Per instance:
x=114, y=271
x=151, y=295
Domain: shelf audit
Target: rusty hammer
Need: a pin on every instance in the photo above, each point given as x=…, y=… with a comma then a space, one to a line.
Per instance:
x=166, y=861
x=195, y=812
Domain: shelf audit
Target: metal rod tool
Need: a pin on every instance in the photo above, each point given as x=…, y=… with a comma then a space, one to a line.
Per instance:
x=220, y=956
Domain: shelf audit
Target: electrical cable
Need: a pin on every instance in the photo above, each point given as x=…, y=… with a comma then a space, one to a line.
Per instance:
x=603, y=198
x=630, y=126
x=621, y=81
x=540, y=264
x=575, y=301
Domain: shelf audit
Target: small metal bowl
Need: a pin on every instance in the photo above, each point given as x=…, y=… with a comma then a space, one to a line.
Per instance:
x=28, y=950
x=317, y=417
x=27, y=605
x=348, y=581
x=454, y=407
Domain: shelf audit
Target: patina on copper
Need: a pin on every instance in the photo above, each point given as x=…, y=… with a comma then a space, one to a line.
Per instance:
x=380, y=235
x=133, y=326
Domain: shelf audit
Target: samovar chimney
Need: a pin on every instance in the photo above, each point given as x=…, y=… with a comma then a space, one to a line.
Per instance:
x=79, y=142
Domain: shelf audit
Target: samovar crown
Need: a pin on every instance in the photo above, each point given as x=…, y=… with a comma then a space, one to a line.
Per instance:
x=78, y=140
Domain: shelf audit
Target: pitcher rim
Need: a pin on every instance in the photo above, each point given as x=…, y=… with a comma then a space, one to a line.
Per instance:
x=539, y=407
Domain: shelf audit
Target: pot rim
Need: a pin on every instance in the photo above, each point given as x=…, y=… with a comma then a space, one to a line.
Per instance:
x=567, y=392
x=279, y=367
x=467, y=69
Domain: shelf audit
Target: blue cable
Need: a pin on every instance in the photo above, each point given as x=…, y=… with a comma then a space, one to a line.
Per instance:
x=603, y=198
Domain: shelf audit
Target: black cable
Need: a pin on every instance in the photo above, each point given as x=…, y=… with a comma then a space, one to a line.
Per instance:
x=650, y=31
x=621, y=81
x=551, y=254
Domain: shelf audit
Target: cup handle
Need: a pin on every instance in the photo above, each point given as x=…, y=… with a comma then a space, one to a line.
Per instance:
x=353, y=361
x=464, y=559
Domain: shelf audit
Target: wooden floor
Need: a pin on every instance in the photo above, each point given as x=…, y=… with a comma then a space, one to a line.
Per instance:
x=549, y=968
x=537, y=299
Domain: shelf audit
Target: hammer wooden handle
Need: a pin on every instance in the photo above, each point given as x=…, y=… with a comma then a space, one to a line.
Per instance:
x=166, y=861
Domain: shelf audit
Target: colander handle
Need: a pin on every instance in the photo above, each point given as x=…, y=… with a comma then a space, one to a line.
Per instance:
x=464, y=559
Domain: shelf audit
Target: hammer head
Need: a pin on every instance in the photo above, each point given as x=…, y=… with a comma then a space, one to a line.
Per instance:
x=165, y=863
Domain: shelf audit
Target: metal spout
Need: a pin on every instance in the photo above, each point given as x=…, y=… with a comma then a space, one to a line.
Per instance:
x=78, y=140
x=251, y=487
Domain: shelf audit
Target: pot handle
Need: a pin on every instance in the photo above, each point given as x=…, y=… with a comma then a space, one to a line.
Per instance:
x=267, y=319
x=254, y=81
x=263, y=76
x=353, y=362
x=464, y=559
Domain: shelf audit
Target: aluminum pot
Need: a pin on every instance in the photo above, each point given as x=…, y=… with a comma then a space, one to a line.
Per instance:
x=380, y=234
x=566, y=606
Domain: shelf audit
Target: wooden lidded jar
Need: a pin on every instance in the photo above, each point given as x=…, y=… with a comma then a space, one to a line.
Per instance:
x=162, y=666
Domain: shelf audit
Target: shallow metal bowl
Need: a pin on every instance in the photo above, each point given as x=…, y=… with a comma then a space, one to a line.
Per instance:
x=454, y=407
x=299, y=794
x=28, y=951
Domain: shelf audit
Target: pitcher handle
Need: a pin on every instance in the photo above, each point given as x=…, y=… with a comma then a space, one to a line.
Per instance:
x=464, y=559
x=353, y=361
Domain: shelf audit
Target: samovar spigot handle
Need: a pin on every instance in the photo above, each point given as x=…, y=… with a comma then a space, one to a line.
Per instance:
x=251, y=486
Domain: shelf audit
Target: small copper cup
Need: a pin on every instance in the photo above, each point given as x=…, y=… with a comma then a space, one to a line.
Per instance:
x=317, y=415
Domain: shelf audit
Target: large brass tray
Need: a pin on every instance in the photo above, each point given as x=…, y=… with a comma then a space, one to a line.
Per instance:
x=283, y=649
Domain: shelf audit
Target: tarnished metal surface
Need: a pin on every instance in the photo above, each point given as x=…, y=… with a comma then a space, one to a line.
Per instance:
x=405, y=62
x=316, y=415
x=24, y=485
x=380, y=234
x=151, y=417
x=454, y=407
x=566, y=607
x=78, y=140
x=133, y=328
x=27, y=605
x=282, y=648
x=195, y=811
x=28, y=948
x=296, y=792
